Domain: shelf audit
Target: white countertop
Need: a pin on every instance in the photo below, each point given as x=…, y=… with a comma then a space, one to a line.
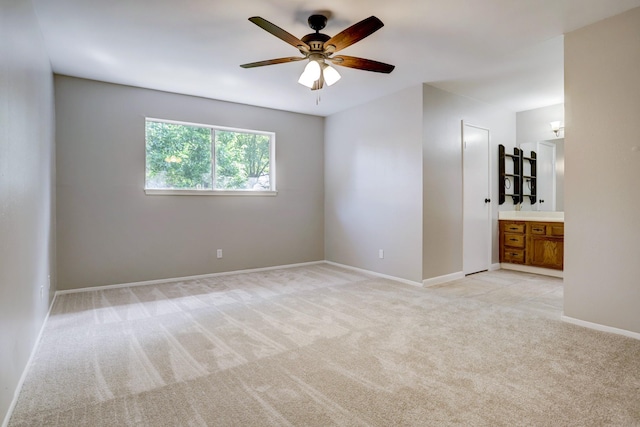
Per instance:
x=532, y=216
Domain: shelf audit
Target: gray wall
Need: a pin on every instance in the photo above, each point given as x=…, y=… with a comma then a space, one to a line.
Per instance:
x=394, y=181
x=534, y=126
x=373, y=185
x=602, y=93
x=110, y=232
x=442, y=174
x=27, y=234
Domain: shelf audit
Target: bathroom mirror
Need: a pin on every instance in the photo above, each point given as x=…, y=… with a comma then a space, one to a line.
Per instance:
x=550, y=175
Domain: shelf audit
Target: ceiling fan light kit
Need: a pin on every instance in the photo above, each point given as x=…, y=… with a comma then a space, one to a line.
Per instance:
x=318, y=70
x=319, y=48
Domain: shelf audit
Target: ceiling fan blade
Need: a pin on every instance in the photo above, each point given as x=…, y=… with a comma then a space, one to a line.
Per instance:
x=280, y=33
x=353, y=34
x=273, y=61
x=362, y=64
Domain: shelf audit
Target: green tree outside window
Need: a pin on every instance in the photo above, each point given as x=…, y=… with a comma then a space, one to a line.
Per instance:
x=179, y=156
x=242, y=160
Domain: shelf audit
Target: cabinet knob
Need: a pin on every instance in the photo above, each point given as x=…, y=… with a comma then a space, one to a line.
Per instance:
x=487, y=200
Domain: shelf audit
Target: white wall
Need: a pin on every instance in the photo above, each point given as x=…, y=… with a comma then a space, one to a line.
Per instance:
x=602, y=202
x=110, y=232
x=442, y=174
x=534, y=126
x=27, y=235
x=373, y=184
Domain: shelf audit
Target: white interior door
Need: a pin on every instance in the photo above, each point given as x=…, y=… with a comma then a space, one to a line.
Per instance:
x=476, y=200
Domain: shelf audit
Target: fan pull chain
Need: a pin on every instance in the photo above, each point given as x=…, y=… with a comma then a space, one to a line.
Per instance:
x=318, y=99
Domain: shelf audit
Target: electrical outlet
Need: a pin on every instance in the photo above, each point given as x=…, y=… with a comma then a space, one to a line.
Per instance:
x=380, y=253
x=219, y=253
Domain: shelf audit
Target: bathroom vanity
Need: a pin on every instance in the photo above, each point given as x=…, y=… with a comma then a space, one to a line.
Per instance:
x=534, y=239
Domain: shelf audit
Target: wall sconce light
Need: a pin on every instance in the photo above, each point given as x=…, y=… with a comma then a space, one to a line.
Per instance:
x=556, y=127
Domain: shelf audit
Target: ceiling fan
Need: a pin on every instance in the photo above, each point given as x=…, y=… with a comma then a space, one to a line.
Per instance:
x=319, y=48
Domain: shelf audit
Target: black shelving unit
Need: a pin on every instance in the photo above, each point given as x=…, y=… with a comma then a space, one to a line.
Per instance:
x=518, y=179
x=515, y=178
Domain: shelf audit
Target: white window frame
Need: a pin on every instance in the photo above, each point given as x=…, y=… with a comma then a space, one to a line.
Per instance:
x=213, y=191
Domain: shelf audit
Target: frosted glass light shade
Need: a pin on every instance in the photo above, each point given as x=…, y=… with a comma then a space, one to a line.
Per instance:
x=310, y=74
x=330, y=74
x=556, y=127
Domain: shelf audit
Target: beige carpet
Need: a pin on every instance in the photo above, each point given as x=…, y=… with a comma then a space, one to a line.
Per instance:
x=319, y=345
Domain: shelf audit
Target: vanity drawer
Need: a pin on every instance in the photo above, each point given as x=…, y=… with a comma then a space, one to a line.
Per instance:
x=555, y=229
x=514, y=240
x=514, y=256
x=548, y=229
x=512, y=227
x=537, y=229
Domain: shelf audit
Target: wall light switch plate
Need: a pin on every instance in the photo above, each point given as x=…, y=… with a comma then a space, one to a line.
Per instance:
x=219, y=253
x=380, y=253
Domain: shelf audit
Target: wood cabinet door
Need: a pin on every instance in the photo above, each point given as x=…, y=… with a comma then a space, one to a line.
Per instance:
x=545, y=251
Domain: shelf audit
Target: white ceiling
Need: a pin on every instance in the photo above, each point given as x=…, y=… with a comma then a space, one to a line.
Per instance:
x=504, y=52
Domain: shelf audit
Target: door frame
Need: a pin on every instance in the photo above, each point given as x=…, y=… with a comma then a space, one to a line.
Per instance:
x=489, y=195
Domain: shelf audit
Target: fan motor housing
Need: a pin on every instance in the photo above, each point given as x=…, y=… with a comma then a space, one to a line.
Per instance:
x=316, y=40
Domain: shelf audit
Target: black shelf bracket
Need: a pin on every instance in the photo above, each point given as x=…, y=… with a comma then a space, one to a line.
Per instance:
x=533, y=178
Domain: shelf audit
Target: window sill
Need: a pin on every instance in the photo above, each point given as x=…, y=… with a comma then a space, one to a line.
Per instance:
x=156, y=192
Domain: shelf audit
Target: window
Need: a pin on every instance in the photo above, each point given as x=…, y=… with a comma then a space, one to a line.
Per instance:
x=185, y=158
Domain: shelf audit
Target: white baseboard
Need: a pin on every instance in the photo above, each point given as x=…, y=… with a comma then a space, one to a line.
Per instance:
x=374, y=273
x=23, y=377
x=442, y=279
x=180, y=279
x=599, y=327
x=453, y=276
x=534, y=270
x=227, y=273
